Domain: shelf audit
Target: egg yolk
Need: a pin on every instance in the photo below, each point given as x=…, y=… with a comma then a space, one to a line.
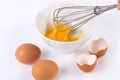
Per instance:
x=61, y=32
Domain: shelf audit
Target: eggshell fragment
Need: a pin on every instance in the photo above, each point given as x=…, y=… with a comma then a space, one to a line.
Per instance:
x=27, y=53
x=44, y=70
x=86, y=62
x=98, y=47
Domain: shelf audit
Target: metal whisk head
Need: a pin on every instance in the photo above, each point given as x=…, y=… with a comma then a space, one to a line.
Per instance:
x=77, y=16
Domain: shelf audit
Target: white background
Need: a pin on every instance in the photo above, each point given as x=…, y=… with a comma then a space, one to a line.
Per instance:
x=17, y=26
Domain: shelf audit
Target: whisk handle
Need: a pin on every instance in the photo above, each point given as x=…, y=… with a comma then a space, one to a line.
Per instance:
x=100, y=9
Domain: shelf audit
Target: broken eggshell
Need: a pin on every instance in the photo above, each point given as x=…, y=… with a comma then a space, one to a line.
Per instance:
x=98, y=47
x=86, y=62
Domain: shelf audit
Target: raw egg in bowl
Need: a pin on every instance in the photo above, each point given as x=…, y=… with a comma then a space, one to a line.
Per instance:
x=45, y=23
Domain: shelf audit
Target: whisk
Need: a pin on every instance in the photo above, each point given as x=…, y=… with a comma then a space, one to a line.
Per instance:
x=77, y=16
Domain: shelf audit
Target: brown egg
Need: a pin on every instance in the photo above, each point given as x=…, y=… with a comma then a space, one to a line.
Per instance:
x=86, y=62
x=27, y=53
x=98, y=47
x=44, y=70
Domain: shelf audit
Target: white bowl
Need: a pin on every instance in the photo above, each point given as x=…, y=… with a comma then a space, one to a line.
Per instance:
x=44, y=18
